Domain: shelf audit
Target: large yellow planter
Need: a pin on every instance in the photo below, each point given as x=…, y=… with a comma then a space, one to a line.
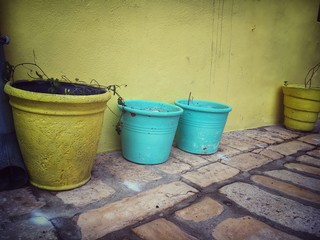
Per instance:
x=58, y=135
x=301, y=107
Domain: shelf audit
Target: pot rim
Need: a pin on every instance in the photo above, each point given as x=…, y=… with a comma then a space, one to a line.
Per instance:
x=51, y=97
x=301, y=86
x=204, y=106
x=174, y=110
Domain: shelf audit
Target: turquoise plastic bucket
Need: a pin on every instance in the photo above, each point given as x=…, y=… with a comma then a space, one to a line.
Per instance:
x=201, y=125
x=147, y=130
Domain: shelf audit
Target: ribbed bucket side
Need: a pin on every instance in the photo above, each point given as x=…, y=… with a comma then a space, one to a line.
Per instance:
x=301, y=107
x=147, y=130
x=201, y=126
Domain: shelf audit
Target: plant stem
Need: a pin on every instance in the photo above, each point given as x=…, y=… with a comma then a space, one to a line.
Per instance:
x=189, y=98
x=312, y=71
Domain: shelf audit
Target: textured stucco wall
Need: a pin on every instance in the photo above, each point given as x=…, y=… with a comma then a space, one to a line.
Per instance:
x=235, y=52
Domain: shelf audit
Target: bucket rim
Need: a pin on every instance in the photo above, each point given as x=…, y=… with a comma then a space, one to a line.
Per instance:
x=177, y=110
x=183, y=104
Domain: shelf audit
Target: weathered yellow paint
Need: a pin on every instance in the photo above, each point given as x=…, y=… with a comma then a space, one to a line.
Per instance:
x=58, y=135
x=234, y=52
x=301, y=106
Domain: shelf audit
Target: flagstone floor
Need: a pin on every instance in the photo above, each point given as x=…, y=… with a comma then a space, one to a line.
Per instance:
x=263, y=183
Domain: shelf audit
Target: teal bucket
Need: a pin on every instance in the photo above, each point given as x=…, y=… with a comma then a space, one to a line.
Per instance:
x=201, y=125
x=147, y=130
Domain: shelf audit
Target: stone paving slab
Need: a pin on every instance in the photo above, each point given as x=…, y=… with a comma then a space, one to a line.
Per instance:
x=248, y=228
x=303, y=168
x=162, y=229
x=314, y=153
x=264, y=136
x=188, y=158
x=201, y=211
x=283, y=211
x=312, y=139
x=123, y=170
x=290, y=148
x=286, y=188
x=309, y=160
x=114, y=216
x=295, y=178
x=39, y=227
x=240, y=142
x=282, y=132
x=213, y=173
x=18, y=202
x=268, y=153
x=124, y=200
x=174, y=166
x=247, y=161
x=93, y=191
x=222, y=153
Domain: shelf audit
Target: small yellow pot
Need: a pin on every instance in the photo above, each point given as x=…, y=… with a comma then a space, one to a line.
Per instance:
x=301, y=107
x=58, y=135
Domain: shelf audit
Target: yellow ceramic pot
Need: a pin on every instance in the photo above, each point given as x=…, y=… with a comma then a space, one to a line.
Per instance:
x=301, y=107
x=58, y=135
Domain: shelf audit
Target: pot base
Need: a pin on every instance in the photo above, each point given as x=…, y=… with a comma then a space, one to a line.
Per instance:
x=60, y=187
x=293, y=124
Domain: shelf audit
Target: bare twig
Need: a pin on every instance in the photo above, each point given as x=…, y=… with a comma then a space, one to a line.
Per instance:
x=190, y=98
x=310, y=75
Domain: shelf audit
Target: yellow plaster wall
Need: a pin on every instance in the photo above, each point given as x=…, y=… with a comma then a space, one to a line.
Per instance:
x=235, y=52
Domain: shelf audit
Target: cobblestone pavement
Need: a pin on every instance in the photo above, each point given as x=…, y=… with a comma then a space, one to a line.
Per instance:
x=263, y=183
